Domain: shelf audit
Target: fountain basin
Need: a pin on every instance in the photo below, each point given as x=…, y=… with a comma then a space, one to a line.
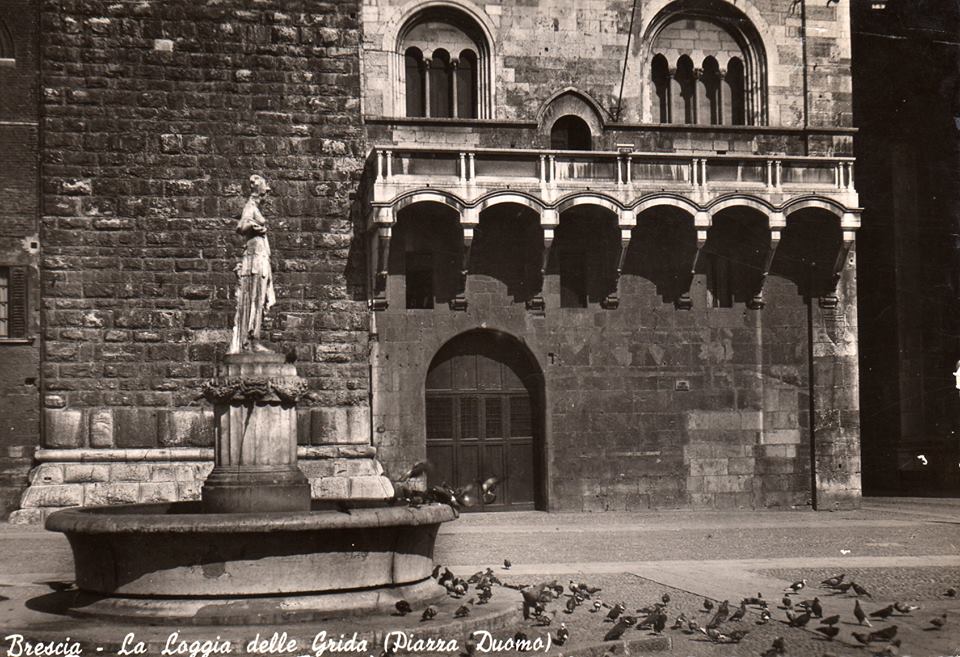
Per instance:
x=170, y=561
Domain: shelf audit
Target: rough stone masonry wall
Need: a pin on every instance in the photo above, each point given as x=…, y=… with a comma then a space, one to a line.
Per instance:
x=19, y=246
x=155, y=114
x=619, y=435
x=544, y=46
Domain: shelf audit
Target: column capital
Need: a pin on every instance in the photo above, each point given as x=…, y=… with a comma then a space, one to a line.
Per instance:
x=627, y=218
x=702, y=220
x=549, y=218
x=777, y=221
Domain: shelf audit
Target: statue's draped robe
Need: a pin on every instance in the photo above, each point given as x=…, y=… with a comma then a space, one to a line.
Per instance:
x=255, y=293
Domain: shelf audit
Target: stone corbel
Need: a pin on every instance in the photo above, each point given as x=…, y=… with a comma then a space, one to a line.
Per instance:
x=380, y=248
x=469, y=221
x=777, y=223
x=849, y=236
x=549, y=221
x=627, y=221
x=702, y=222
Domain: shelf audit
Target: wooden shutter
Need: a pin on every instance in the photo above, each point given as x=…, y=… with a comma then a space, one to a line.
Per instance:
x=17, y=303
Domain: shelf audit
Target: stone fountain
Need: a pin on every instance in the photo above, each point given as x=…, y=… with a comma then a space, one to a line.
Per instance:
x=255, y=548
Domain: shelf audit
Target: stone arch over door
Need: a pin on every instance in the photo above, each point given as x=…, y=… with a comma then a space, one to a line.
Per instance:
x=484, y=412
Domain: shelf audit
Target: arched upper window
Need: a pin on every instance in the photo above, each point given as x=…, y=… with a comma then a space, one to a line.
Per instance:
x=706, y=68
x=6, y=43
x=570, y=133
x=446, y=69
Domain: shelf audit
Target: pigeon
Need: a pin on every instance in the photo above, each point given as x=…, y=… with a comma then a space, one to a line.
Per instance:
x=617, y=630
x=778, y=648
x=950, y=592
x=651, y=616
x=759, y=601
x=462, y=611
x=403, y=607
x=562, y=635
x=660, y=622
x=736, y=636
x=571, y=604
x=882, y=613
x=597, y=605
x=488, y=490
x=679, y=623
x=861, y=637
x=616, y=610
x=831, y=620
x=816, y=608
x=707, y=604
x=545, y=619
x=665, y=598
x=520, y=638
x=469, y=646
x=798, y=585
x=886, y=634
x=905, y=607
x=829, y=631
x=693, y=627
x=506, y=564
x=892, y=649
x=844, y=587
x=787, y=603
x=429, y=613
x=764, y=617
x=859, y=590
x=860, y=615
x=801, y=620
x=739, y=613
x=938, y=622
x=723, y=612
x=833, y=582
x=418, y=469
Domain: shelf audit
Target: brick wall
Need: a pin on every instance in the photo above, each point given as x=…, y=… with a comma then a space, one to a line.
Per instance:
x=19, y=245
x=155, y=114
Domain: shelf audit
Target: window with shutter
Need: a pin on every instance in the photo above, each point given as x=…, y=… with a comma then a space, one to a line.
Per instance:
x=13, y=302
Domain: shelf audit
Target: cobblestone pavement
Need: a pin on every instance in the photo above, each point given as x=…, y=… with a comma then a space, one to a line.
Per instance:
x=906, y=550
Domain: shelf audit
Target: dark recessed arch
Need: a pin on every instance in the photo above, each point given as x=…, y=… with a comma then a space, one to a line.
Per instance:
x=508, y=247
x=485, y=406
x=662, y=247
x=810, y=246
x=735, y=254
x=425, y=253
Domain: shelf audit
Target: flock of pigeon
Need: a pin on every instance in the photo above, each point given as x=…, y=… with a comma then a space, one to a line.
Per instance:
x=723, y=627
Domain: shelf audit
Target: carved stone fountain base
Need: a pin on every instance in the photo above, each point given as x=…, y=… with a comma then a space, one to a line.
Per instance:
x=172, y=563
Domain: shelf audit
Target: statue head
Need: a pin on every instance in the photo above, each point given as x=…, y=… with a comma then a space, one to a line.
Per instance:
x=258, y=185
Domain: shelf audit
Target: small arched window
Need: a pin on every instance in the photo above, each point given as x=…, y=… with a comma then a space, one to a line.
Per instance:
x=735, y=86
x=710, y=84
x=467, y=84
x=570, y=133
x=715, y=67
x=685, y=104
x=454, y=61
x=415, y=74
x=440, y=84
x=660, y=75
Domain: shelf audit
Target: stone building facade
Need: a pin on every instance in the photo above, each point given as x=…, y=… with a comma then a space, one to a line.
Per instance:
x=610, y=250
x=601, y=250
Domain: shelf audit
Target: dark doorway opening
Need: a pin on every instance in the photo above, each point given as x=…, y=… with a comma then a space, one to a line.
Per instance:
x=484, y=418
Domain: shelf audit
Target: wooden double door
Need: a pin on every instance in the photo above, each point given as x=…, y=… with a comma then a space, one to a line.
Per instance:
x=483, y=419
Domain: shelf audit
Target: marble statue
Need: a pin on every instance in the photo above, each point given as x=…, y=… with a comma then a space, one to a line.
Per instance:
x=255, y=295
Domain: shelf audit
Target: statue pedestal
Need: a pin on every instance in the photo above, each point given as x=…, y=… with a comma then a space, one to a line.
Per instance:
x=255, y=455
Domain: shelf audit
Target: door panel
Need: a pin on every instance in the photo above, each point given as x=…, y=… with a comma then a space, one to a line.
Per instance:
x=481, y=422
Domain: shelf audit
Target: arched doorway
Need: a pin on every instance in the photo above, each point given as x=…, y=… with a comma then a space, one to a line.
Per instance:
x=484, y=418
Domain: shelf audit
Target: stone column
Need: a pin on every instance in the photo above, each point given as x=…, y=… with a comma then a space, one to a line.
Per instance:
x=255, y=469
